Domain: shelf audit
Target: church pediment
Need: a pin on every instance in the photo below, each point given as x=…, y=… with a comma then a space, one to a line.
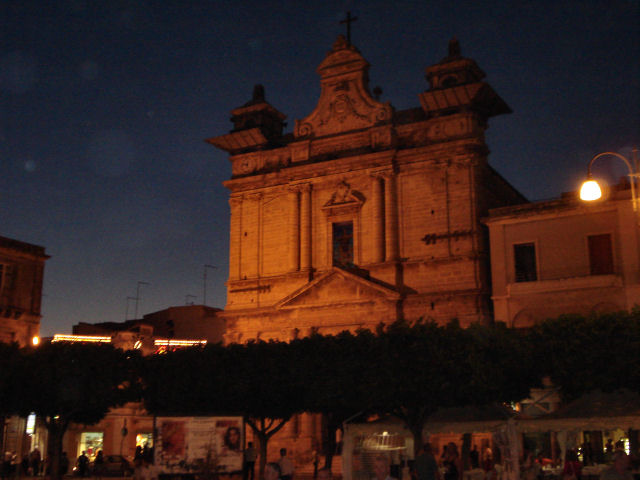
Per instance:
x=345, y=103
x=335, y=287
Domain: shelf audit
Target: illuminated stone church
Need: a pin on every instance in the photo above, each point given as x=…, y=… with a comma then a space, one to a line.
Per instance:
x=363, y=214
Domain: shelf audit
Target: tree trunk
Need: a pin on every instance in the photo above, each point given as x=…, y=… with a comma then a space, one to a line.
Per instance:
x=418, y=442
x=3, y=425
x=56, y=429
x=465, y=452
x=262, y=440
x=264, y=429
x=329, y=428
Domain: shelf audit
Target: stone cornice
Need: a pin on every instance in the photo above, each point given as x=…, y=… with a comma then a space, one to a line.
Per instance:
x=303, y=172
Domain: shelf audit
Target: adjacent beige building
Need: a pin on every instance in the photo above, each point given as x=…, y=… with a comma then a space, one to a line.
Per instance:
x=564, y=256
x=363, y=214
x=21, y=276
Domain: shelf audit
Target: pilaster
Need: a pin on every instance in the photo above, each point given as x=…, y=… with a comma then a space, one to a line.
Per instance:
x=305, y=226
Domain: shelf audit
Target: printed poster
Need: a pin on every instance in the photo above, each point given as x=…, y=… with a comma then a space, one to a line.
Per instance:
x=192, y=443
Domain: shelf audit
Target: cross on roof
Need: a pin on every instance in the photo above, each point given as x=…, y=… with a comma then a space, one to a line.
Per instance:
x=348, y=21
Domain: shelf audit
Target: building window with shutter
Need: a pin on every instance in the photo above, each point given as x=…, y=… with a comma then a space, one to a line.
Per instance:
x=524, y=255
x=600, y=254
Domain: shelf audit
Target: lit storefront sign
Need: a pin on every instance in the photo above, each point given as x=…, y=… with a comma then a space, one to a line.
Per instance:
x=31, y=424
x=164, y=345
x=80, y=338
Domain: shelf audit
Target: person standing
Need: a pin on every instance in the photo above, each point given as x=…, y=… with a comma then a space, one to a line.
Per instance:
x=452, y=463
x=382, y=468
x=64, y=464
x=324, y=474
x=83, y=464
x=98, y=465
x=620, y=468
x=250, y=457
x=425, y=466
x=5, y=466
x=24, y=466
x=474, y=457
x=286, y=465
x=272, y=471
x=572, y=467
x=34, y=459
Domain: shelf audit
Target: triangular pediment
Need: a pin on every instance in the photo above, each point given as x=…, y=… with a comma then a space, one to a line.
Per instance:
x=345, y=103
x=338, y=286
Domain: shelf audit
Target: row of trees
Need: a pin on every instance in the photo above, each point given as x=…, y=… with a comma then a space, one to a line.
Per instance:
x=408, y=370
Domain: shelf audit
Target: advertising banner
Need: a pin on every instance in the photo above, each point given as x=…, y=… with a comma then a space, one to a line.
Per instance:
x=195, y=444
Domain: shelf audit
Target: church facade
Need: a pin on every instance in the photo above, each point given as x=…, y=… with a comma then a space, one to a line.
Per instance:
x=363, y=214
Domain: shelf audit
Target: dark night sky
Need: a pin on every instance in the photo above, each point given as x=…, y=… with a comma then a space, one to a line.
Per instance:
x=104, y=107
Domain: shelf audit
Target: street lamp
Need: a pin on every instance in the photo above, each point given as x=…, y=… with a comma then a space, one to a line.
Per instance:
x=138, y=297
x=204, y=281
x=590, y=189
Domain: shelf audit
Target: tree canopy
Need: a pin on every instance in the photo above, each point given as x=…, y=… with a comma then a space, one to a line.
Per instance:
x=11, y=376
x=405, y=369
x=409, y=370
x=74, y=382
x=585, y=353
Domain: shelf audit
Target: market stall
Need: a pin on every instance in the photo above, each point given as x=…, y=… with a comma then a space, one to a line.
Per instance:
x=362, y=442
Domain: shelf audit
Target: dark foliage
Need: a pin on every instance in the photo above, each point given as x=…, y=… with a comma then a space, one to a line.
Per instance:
x=581, y=354
x=79, y=383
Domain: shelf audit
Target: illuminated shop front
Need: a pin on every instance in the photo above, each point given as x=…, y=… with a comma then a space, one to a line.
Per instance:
x=90, y=443
x=144, y=440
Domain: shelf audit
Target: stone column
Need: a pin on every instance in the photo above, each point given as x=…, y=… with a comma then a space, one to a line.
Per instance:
x=377, y=220
x=390, y=217
x=235, y=233
x=294, y=230
x=305, y=226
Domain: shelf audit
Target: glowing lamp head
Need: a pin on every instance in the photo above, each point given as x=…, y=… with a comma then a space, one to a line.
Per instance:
x=590, y=191
x=35, y=341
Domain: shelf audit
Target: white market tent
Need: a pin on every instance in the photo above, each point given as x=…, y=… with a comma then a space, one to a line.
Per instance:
x=594, y=411
x=362, y=441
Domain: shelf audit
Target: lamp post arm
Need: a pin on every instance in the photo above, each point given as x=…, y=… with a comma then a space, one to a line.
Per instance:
x=633, y=174
x=621, y=157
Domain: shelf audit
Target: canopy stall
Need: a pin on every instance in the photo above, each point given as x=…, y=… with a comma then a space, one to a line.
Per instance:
x=362, y=442
x=596, y=411
x=471, y=419
x=497, y=420
x=593, y=412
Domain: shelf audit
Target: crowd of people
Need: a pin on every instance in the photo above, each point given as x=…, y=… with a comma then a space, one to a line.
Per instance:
x=449, y=466
x=425, y=466
x=30, y=465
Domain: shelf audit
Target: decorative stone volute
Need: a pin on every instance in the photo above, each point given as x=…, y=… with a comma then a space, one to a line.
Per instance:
x=345, y=102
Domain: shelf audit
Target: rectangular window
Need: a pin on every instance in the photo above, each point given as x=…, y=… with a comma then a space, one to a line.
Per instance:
x=600, y=254
x=343, y=244
x=525, y=262
x=7, y=277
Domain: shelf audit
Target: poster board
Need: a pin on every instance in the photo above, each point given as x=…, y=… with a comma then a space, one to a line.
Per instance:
x=196, y=444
